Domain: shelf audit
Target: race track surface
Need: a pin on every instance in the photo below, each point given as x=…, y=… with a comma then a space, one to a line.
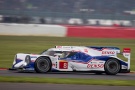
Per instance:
x=37, y=86
x=127, y=76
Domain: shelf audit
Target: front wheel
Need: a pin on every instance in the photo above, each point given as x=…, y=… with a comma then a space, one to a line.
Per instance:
x=43, y=65
x=112, y=66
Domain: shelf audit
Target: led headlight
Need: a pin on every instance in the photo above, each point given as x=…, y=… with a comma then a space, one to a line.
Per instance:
x=27, y=59
x=15, y=59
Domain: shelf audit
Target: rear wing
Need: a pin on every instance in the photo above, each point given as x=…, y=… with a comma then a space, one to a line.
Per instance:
x=127, y=54
x=101, y=48
x=105, y=50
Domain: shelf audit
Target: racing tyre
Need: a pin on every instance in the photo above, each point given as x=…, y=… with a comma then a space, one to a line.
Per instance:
x=112, y=66
x=43, y=65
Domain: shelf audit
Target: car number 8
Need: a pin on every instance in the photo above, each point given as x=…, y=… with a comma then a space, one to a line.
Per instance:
x=65, y=65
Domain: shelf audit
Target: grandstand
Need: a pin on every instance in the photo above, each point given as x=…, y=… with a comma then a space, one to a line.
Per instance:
x=38, y=10
x=98, y=6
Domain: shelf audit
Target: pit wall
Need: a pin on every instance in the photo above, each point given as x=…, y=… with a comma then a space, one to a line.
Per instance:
x=100, y=32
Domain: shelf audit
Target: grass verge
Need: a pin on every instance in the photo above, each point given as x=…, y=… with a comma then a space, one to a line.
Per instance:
x=67, y=81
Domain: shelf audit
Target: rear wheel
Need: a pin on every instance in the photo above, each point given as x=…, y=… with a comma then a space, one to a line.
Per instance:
x=43, y=65
x=112, y=66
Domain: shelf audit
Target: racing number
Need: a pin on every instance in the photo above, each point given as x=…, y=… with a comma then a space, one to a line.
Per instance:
x=63, y=65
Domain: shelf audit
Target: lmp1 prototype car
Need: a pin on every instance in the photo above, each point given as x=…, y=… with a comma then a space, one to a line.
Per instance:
x=75, y=58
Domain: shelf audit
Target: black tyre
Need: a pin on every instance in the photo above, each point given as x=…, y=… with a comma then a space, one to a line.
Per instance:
x=112, y=66
x=43, y=65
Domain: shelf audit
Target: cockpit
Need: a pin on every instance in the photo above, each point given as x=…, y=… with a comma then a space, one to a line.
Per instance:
x=61, y=54
x=67, y=55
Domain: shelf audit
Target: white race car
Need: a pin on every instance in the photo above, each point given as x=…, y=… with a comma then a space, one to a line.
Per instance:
x=75, y=58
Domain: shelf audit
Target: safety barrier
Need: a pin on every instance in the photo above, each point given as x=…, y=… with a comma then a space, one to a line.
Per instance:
x=32, y=30
x=66, y=31
x=100, y=32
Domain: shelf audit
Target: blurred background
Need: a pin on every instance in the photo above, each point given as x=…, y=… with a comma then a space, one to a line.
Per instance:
x=93, y=22
x=69, y=12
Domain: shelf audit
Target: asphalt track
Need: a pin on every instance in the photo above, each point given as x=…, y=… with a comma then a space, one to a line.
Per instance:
x=37, y=86
x=43, y=86
x=122, y=76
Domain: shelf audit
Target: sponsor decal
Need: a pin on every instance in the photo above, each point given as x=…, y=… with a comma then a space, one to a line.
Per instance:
x=95, y=65
x=100, y=62
x=73, y=67
x=53, y=65
x=93, y=62
x=66, y=47
x=29, y=69
x=33, y=56
x=108, y=52
x=86, y=50
x=126, y=50
x=58, y=46
x=126, y=54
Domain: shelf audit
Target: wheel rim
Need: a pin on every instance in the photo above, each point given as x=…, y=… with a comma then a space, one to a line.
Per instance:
x=43, y=65
x=113, y=66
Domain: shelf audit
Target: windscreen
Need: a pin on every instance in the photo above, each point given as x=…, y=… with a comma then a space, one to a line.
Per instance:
x=61, y=54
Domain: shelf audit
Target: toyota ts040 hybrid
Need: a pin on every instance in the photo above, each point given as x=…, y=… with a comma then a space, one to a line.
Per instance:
x=75, y=58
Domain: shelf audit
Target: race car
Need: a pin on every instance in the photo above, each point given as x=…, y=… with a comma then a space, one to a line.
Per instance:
x=75, y=59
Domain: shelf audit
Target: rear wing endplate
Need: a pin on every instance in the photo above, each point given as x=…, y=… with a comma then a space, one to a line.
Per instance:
x=127, y=54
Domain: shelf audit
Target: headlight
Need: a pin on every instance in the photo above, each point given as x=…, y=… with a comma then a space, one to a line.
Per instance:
x=15, y=59
x=27, y=59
